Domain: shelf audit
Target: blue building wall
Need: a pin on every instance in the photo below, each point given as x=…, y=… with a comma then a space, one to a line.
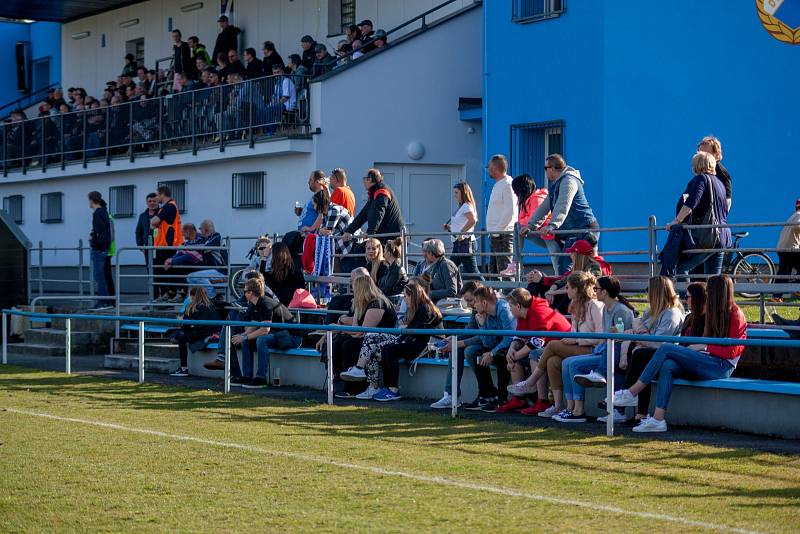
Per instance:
x=45, y=39
x=637, y=85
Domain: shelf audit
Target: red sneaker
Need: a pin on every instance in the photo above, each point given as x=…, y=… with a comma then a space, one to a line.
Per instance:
x=514, y=404
x=540, y=406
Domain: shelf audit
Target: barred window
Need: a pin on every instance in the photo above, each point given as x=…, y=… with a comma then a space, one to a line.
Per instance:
x=533, y=10
x=52, y=207
x=121, y=204
x=178, y=189
x=13, y=206
x=341, y=14
x=531, y=144
x=247, y=190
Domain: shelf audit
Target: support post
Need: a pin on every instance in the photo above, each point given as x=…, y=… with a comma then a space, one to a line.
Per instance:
x=610, y=387
x=404, y=240
x=80, y=267
x=227, y=378
x=117, y=293
x=141, y=352
x=329, y=351
x=454, y=375
x=41, y=269
x=651, y=244
x=69, y=346
x=5, y=340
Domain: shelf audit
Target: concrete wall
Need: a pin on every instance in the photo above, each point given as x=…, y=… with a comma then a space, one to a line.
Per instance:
x=88, y=64
x=638, y=84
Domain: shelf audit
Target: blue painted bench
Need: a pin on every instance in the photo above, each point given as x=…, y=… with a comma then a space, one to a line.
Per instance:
x=149, y=328
x=745, y=384
x=767, y=333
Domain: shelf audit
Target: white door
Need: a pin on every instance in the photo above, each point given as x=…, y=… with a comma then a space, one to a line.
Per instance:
x=425, y=193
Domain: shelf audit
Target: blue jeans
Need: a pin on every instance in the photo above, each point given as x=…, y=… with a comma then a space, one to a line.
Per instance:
x=673, y=361
x=203, y=279
x=552, y=247
x=469, y=264
x=578, y=365
x=98, y=260
x=712, y=264
x=263, y=344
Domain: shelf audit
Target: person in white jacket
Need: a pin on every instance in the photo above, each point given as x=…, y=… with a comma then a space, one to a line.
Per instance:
x=501, y=214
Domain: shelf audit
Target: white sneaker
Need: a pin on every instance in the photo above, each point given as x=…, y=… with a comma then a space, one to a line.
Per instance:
x=367, y=393
x=624, y=398
x=444, y=403
x=511, y=270
x=354, y=374
x=549, y=413
x=651, y=424
x=619, y=418
x=522, y=388
x=591, y=379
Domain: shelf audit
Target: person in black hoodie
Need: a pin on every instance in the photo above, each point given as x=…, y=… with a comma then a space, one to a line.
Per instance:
x=227, y=39
x=308, y=44
x=284, y=278
x=271, y=57
x=100, y=240
x=381, y=212
x=254, y=69
x=199, y=308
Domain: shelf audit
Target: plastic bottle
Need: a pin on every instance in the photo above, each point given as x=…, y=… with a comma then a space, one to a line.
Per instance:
x=619, y=324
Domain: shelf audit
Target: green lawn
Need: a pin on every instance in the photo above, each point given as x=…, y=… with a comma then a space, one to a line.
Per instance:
x=189, y=460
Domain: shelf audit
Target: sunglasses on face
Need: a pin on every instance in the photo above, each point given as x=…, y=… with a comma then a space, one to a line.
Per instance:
x=263, y=248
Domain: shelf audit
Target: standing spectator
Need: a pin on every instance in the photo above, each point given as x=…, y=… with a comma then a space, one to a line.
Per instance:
x=308, y=44
x=335, y=220
x=704, y=195
x=529, y=198
x=222, y=67
x=141, y=76
x=298, y=71
x=227, y=39
x=381, y=212
x=308, y=217
x=367, y=35
x=130, y=66
x=789, y=259
x=567, y=208
x=198, y=50
x=199, y=308
x=713, y=146
x=168, y=232
x=284, y=278
x=235, y=65
x=181, y=58
x=342, y=194
x=724, y=319
x=501, y=214
x=445, y=277
x=254, y=69
x=324, y=62
x=271, y=57
x=461, y=225
x=101, y=241
x=143, y=229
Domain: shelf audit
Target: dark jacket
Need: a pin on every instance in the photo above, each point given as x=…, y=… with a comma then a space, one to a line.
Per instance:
x=285, y=289
x=214, y=258
x=309, y=57
x=143, y=230
x=445, y=279
x=182, y=59
x=269, y=61
x=323, y=66
x=381, y=212
x=255, y=69
x=227, y=40
x=393, y=281
x=100, y=238
x=202, y=313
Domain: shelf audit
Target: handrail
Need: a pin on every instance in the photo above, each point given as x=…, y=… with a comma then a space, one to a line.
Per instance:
x=28, y=96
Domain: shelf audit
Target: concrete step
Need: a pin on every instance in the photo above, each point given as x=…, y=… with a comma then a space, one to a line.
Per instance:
x=157, y=349
x=35, y=349
x=86, y=325
x=54, y=336
x=152, y=364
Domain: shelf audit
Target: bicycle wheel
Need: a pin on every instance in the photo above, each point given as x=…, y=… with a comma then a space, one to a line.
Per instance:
x=237, y=283
x=753, y=268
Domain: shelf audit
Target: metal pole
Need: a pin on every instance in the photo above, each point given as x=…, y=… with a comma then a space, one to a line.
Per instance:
x=83, y=134
x=41, y=269
x=117, y=292
x=404, y=239
x=227, y=378
x=454, y=374
x=5, y=340
x=192, y=116
x=517, y=253
x=150, y=259
x=61, y=142
x=610, y=387
x=141, y=352
x=651, y=230
x=80, y=267
x=108, y=138
x=761, y=308
x=250, y=140
x=228, y=270
x=69, y=345
x=329, y=350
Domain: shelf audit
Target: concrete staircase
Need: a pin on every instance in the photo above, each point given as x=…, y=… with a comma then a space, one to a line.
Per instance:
x=161, y=356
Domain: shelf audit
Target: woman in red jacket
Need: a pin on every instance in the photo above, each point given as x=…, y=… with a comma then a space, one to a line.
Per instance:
x=724, y=319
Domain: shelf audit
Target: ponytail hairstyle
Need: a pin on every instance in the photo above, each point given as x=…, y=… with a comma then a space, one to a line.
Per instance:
x=583, y=283
x=97, y=198
x=395, y=249
x=719, y=303
x=611, y=285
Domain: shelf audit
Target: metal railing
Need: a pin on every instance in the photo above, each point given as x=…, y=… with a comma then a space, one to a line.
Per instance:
x=26, y=100
x=217, y=116
x=331, y=329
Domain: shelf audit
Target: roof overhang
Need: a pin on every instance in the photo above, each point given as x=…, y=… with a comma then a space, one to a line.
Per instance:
x=58, y=11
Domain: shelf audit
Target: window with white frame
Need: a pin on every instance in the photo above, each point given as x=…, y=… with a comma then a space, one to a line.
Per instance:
x=52, y=208
x=120, y=201
x=531, y=144
x=247, y=190
x=533, y=10
x=13, y=206
x=178, y=190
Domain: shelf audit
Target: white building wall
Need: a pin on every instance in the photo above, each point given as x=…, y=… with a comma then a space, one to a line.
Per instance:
x=86, y=63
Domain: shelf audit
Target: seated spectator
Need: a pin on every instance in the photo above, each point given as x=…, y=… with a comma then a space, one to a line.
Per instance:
x=353, y=33
x=235, y=65
x=724, y=319
x=380, y=40
x=151, y=87
x=789, y=249
x=462, y=226
x=376, y=265
x=381, y=213
x=664, y=317
x=357, y=45
x=394, y=279
x=335, y=220
x=271, y=58
x=324, y=62
x=587, y=317
x=222, y=64
x=199, y=308
x=367, y=34
x=284, y=97
x=308, y=44
x=298, y=71
x=210, y=278
x=262, y=259
x=254, y=338
x=284, y=278
x=343, y=50
x=532, y=314
x=184, y=261
x=695, y=322
x=370, y=309
x=130, y=67
x=255, y=68
x=445, y=276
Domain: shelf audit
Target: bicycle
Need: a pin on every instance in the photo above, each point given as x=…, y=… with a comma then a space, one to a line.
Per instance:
x=753, y=267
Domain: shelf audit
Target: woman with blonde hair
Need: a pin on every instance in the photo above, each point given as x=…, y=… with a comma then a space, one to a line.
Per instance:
x=724, y=319
x=462, y=226
x=199, y=308
x=373, y=253
x=587, y=317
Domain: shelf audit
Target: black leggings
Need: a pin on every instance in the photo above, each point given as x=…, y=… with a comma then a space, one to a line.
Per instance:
x=185, y=338
x=391, y=355
x=637, y=361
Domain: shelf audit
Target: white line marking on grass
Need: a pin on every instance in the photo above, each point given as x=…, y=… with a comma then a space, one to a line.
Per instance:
x=388, y=472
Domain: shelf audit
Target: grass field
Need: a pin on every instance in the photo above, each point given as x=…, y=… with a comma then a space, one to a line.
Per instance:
x=89, y=454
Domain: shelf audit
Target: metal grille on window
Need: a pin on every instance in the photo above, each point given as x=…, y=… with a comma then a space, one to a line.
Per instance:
x=51, y=207
x=248, y=190
x=178, y=188
x=121, y=201
x=13, y=206
x=530, y=10
x=348, y=14
x=531, y=144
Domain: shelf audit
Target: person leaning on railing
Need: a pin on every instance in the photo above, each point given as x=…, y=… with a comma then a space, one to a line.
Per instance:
x=724, y=319
x=381, y=213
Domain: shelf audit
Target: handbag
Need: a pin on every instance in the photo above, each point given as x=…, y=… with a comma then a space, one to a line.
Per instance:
x=707, y=238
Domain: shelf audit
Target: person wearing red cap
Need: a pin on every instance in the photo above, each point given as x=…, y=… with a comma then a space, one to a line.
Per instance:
x=789, y=241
